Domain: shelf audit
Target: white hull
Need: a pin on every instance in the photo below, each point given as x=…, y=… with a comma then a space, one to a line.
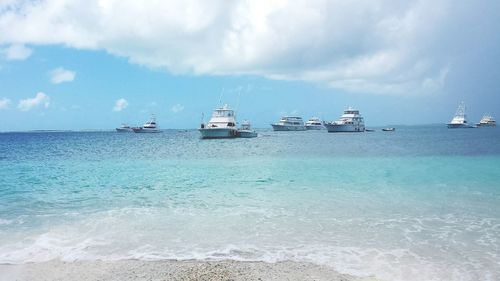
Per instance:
x=338, y=128
x=145, y=130
x=247, y=134
x=124, y=130
x=277, y=127
x=218, y=133
x=486, y=124
x=314, y=127
x=459, y=126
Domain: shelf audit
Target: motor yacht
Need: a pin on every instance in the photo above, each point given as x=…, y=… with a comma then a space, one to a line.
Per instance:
x=487, y=121
x=148, y=127
x=350, y=121
x=124, y=128
x=289, y=123
x=222, y=124
x=314, y=123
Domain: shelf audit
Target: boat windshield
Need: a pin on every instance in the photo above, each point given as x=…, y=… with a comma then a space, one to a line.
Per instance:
x=223, y=113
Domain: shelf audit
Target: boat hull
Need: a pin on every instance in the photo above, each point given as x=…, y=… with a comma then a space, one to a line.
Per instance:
x=314, y=127
x=124, y=130
x=459, y=126
x=344, y=128
x=218, y=133
x=247, y=134
x=145, y=130
x=278, y=127
x=486, y=124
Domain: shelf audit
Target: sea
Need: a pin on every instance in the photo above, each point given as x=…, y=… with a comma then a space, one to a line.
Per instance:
x=420, y=203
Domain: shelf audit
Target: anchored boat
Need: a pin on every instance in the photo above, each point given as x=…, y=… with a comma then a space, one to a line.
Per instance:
x=350, y=121
x=289, y=123
x=314, y=123
x=487, y=121
x=459, y=121
x=148, y=127
x=124, y=128
x=246, y=130
x=222, y=124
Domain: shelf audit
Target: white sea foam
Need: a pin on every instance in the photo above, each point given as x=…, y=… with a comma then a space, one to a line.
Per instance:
x=5, y=222
x=136, y=233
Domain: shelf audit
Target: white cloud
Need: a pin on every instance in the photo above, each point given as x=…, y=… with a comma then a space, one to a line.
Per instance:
x=4, y=103
x=120, y=104
x=177, y=108
x=29, y=103
x=379, y=46
x=60, y=75
x=16, y=52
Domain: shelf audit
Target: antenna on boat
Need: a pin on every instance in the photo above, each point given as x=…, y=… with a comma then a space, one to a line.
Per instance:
x=220, y=97
x=237, y=102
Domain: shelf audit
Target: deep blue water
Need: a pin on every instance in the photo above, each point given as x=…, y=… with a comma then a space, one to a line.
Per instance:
x=421, y=203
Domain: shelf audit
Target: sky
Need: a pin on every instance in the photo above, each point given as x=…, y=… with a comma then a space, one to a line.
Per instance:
x=88, y=64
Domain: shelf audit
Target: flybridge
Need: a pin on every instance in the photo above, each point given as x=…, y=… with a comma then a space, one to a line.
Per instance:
x=223, y=125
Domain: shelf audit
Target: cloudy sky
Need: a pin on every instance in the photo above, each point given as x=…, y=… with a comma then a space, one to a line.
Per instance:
x=86, y=64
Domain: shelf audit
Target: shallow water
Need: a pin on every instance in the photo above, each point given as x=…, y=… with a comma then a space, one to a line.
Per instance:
x=421, y=203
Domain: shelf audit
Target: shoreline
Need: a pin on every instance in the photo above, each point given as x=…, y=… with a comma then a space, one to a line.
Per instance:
x=172, y=270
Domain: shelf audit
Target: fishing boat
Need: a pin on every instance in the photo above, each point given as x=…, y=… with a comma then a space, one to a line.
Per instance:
x=459, y=121
x=124, y=128
x=222, y=124
x=391, y=129
x=148, y=127
x=350, y=121
x=487, y=121
x=246, y=131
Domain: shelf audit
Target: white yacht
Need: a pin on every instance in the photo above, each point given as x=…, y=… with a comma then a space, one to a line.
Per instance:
x=460, y=118
x=221, y=125
x=246, y=130
x=487, y=121
x=124, y=128
x=148, y=127
x=289, y=123
x=314, y=123
x=350, y=121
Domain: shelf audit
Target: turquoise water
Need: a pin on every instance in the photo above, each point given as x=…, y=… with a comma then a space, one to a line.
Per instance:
x=422, y=203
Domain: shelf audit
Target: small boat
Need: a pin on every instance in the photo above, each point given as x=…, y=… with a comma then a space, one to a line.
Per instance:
x=391, y=129
x=314, y=123
x=246, y=130
x=369, y=130
x=289, y=123
x=350, y=121
x=459, y=121
x=148, y=127
x=124, y=128
x=222, y=124
x=487, y=121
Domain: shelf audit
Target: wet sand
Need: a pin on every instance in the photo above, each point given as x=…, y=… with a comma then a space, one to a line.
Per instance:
x=170, y=270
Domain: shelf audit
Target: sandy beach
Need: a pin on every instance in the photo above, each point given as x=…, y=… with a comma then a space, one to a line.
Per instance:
x=170, y=270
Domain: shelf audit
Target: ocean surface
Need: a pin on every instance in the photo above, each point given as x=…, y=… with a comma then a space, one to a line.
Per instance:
x=420, y=203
